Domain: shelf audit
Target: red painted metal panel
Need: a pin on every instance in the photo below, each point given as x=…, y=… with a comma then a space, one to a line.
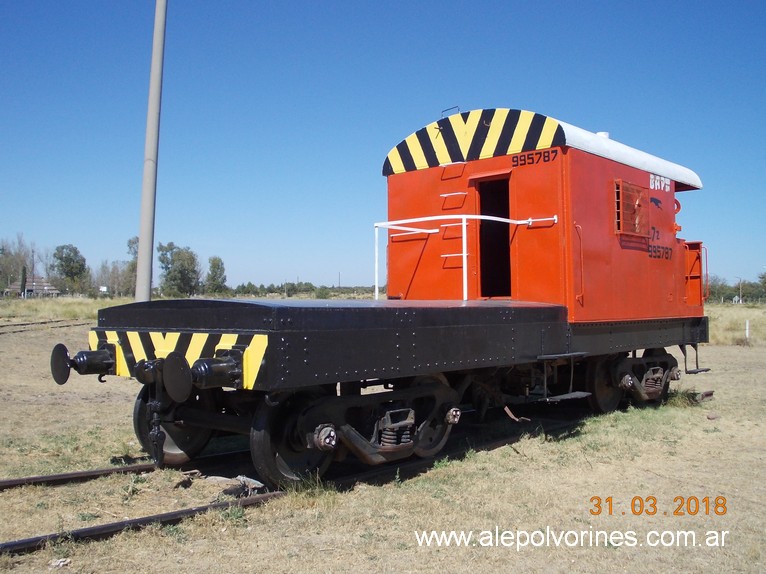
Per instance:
x=602, y=271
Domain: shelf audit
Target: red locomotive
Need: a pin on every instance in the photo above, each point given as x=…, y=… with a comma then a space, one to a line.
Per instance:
x=528, y=259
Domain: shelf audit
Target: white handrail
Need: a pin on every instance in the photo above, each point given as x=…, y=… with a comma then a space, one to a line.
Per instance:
x=404, y=225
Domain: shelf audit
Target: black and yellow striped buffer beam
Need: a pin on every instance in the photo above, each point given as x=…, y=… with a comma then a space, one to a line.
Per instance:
x=473, y=135
x=134, y=346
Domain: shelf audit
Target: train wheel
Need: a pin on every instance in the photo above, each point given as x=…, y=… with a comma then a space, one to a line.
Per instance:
x=182, y=443
x=279, y=452
x=432, y=434
x=605, y=395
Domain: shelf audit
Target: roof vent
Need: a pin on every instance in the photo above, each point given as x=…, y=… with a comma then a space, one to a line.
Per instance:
x=603, y=134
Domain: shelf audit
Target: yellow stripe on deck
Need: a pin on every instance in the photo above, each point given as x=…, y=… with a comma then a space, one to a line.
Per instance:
x=196, y=344
x=135, y=344
x=93, y=340
x=252, y=359
x=227, y=342
x=121, y=365
x=164, y=345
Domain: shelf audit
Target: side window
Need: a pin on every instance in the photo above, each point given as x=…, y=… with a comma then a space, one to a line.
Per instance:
x=631, y=209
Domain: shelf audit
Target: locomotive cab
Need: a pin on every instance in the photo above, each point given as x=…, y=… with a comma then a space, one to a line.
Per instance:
x=505, y=203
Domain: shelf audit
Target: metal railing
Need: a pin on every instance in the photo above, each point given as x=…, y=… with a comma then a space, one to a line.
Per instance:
x=406, y=226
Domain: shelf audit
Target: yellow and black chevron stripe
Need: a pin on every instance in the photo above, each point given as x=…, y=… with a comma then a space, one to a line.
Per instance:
x=477, y=134
x=134, y=346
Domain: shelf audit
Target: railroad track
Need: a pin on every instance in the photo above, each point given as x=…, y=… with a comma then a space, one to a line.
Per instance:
x=72, y=477
x=103, y=531
x=204, y=465
x=10, y=328
x=345, y=479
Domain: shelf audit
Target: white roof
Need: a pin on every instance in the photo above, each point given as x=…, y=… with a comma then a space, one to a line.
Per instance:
x=603, y=146
x=479, y=134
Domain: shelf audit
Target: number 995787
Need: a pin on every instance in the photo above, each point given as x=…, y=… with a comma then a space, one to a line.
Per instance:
x=533, y=157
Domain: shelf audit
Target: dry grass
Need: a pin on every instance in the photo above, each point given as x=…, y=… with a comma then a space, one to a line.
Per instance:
x=12, y=308
x=717, y=448
x=727, y=324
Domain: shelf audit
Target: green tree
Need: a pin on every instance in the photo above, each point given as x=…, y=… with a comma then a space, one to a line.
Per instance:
x=246, y=289
x=181, y=271
x=215, y=281
x=116, y=277
x=322, y=292
x=13, y=257
x=71, y=268
x=127, y=279
x=751, y=291
x=720, y=290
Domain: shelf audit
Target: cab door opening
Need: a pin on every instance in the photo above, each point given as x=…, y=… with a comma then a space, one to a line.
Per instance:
x=494, y=239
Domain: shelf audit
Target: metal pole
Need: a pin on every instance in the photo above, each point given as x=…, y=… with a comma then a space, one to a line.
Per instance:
x=465, y=259
x=377, y=288
x=149, y=188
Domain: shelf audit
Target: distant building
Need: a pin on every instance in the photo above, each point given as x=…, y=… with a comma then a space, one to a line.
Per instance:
x=36, y=287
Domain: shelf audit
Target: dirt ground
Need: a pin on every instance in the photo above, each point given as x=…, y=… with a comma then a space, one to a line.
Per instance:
x=644, y=479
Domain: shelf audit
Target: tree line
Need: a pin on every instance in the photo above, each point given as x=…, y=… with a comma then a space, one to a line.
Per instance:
x=68, y=271
x=737, y=292
x=181, y=274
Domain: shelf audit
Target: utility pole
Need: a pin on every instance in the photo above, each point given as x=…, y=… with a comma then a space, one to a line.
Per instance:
x=740, y=290
x=151, y=148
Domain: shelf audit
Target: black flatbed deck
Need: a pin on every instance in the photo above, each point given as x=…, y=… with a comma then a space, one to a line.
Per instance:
x=289, y=314
x=315, y=342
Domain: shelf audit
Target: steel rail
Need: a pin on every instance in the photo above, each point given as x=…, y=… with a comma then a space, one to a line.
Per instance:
x=27, y=545
x=28, y=323
x=77, y=476
x=202, y=463
x=11, y=328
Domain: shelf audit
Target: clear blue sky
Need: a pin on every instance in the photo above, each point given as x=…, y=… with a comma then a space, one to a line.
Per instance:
x=277, y=116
